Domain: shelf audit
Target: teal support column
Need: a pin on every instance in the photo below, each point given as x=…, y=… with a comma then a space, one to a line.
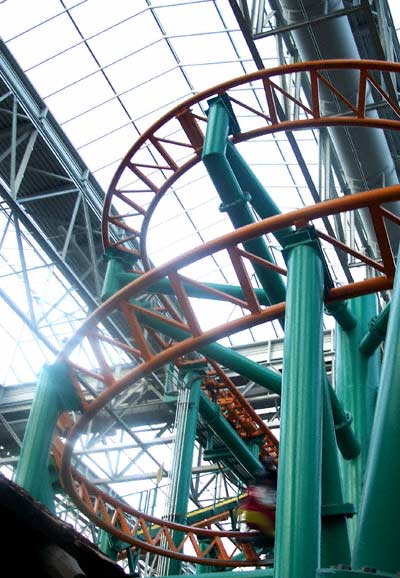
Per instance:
x=298, y=526
x=118, y=265
x=377, y=543
x=335, y=545
x=107, y=544
x=221, y=123
x=187, y=410
x=54, y=394
x=356, y=379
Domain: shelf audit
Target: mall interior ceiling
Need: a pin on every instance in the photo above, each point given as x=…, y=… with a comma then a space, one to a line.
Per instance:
x=80, y=82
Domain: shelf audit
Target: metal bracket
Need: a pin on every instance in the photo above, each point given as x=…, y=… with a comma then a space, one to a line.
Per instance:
x=308, y=236
x=224, y=100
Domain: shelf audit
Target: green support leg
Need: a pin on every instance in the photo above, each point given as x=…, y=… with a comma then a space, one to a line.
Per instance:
x=356, y=378
x=181, y=469
x=54, y=394
x=335, y=545
x=298, y=527
x=377, y=542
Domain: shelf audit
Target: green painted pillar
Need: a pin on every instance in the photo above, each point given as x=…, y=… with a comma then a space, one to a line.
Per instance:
x=187, y=411
x=377, y=542
x=235, y=202
x=356, y=379
x=54, y=394
x=298, y=527
x=107, y=544
x=335, y=545
x=118, y=265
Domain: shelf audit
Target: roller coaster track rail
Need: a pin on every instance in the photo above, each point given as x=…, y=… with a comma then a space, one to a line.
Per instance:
x=142, y=531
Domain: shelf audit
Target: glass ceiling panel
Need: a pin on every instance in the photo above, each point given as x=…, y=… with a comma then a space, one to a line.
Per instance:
x=81, y=97
x=107, y=151
x=97, y=123
x=22, y=15
x=50, y=38
x=141, y=66
x=65, y=69
x=91, y=20
x=107, y=74
x=125, y=38
x=195, y=17
x=201, y=49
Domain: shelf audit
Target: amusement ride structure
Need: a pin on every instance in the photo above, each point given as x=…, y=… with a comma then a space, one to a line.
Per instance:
x=162, y=324
x=315, y=507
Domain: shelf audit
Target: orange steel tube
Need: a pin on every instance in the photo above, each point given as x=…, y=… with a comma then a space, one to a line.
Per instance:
x=182, y=113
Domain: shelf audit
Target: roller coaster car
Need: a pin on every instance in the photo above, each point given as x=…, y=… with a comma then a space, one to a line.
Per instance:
x=257, y=511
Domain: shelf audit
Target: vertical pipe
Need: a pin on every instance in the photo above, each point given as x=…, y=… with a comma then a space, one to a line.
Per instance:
x=298, y=535
x=356, y=379
x=377, y=538
x=234, y=200
x=54, y=393
x=335, y=546
x=181, y=469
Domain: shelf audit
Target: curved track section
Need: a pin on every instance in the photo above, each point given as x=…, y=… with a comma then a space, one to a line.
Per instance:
x=173, y=145
x=177, y=338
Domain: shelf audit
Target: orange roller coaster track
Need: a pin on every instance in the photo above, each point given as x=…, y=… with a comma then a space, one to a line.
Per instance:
x=173, y=145
x=129, y=524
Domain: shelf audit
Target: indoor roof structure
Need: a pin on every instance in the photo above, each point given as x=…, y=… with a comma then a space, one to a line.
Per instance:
x=80, y=82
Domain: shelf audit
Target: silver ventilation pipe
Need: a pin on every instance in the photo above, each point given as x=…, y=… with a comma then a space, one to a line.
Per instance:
x=363, y=152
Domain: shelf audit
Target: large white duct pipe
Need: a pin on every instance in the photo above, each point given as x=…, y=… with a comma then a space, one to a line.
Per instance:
x=363, y=152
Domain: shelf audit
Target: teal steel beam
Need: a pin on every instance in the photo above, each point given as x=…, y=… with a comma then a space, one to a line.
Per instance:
x=378, y=529
x=266, y=207
x=376, y=332
x=356, y=380
x=298, y=523
x=187, y=410
x=54, y=394
x=335, y=545
x=264, y=376
x=258, y=196
x=50, y=131
x=229, y=358
x=343, y=316
x=163, y=286
x=234, y=201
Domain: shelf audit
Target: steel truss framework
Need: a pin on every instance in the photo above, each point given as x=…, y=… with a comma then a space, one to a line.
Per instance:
x=174, y=144
x=95, y=503
x=179, y=335
x=116, y=221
